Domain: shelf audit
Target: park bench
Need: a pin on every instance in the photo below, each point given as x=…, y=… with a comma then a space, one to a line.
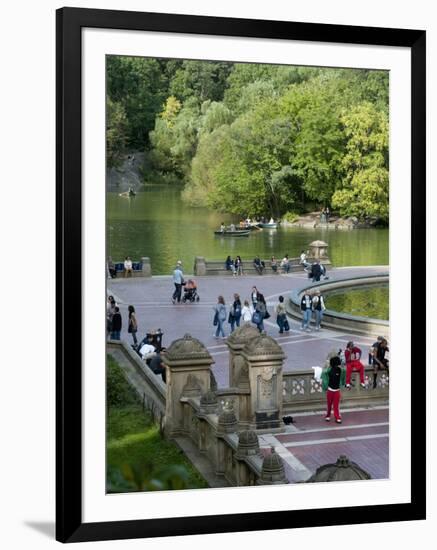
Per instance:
x=217, y=267
x=139, y=269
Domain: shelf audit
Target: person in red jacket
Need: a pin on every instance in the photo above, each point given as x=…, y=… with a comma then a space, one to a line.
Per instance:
x=352, y=355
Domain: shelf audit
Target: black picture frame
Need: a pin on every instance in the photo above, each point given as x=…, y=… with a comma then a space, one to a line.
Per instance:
x=70, y=22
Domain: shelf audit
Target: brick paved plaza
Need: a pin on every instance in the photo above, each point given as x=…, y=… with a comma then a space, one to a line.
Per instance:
x=310, y=441
x=154, y=309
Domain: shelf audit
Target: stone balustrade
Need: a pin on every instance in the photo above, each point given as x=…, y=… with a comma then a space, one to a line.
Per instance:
x=302, y=392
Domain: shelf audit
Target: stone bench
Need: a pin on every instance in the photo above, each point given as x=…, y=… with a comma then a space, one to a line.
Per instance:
x=217, y=267
x=139, y=269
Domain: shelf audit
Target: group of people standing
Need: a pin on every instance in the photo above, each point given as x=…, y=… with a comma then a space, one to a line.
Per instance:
x=114, y=321
x=312, y=305
x=338, y=373
x=253, y=310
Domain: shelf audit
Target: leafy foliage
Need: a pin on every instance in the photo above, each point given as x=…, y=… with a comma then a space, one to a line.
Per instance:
x=254, y=139
x=138, y=458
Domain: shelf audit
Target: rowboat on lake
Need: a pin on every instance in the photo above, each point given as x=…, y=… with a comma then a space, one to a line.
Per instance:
x=269, y=225
x=236, y=233
x=130, y=193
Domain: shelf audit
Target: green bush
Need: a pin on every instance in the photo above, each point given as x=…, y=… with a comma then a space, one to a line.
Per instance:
x=290, y=216
x=118, y=391
x=138, y=458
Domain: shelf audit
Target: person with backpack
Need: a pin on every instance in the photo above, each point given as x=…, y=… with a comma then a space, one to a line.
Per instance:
x=235, y=313
x=281, y=316
x=219, y=317
x=333, y=379
x=260, y=312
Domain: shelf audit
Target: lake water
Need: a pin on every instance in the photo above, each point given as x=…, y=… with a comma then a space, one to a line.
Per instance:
x=156, y=223
x=371, y=301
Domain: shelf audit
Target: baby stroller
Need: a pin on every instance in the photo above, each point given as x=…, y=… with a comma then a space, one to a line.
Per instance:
x=190, y=292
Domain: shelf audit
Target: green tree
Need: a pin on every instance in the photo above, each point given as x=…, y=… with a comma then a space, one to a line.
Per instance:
x=116, y=132
x=201, y=80
x=138, y=84
x=365, y=190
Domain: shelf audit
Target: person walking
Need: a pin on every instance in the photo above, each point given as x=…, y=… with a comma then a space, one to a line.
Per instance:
x=352, y=355
x=316, y=271
x=133, y=325
x=254, y=296
x=318, y=306
x=246, y=312
x=235, y=313
x=128, y=266
x=116, y=324
x=178, y=280
x=305, y=307
x=260, y=312
x=333, y=379
x=281, y=316
x=219, y=316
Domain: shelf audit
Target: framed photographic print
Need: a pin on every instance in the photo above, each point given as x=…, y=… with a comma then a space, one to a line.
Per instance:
x=240, y=234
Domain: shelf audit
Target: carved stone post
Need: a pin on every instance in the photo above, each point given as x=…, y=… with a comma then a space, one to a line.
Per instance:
x=199, y=266
x=239, y=370
x=264, y=358
x=188, y=365
x=147, y=268
x=319, y=250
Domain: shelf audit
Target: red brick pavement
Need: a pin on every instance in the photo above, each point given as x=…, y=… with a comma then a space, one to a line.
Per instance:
x=311, y=442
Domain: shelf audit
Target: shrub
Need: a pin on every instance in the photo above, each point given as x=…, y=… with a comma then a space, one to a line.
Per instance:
x=118, y=392
x=290, y=216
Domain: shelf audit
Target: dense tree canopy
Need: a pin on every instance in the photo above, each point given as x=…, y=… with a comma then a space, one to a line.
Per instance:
x=255, y=139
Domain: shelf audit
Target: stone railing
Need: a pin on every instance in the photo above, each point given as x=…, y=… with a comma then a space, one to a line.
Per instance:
x=339, y=320
x=149, y=387
x=218, y=440
x=217, y=267
x=302, y=392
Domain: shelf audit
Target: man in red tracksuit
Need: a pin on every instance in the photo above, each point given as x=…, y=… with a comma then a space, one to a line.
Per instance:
x=352, y=355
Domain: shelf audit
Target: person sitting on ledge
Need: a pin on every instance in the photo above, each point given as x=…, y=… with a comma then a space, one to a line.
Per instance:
x=259, y=265
x=285, y=264
x=352, y=354
x=274, y=264
x=127, y=266
x=156, y=364
x=229, y=264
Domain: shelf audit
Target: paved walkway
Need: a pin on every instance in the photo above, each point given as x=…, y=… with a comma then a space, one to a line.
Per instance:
x=312, y=442
x=152, y=301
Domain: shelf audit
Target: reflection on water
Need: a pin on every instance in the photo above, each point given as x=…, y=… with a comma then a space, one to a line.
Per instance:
x=156, y=223
x=372, y=301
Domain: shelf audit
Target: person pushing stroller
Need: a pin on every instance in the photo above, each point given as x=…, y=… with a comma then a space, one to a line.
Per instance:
x=190, y=292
